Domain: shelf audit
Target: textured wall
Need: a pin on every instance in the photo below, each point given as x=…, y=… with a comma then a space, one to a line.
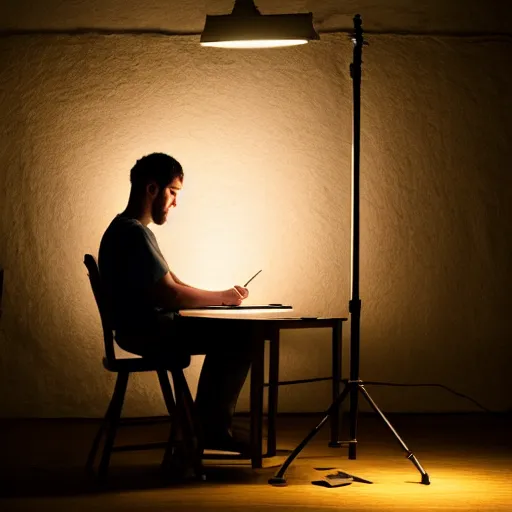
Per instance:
x=425, y=16
x=265, y=141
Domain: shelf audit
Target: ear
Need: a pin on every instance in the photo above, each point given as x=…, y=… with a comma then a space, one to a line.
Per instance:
x=152, y=189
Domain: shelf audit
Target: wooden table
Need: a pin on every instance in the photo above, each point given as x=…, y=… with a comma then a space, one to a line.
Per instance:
x=266, y=326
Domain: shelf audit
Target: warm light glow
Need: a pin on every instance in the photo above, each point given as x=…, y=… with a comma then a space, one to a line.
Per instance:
x=256, y=43
x=260, y=313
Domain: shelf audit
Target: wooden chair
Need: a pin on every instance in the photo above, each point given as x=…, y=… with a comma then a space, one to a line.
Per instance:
x=183, y=445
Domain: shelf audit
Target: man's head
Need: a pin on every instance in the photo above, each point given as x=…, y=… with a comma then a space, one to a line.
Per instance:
x=156, y=180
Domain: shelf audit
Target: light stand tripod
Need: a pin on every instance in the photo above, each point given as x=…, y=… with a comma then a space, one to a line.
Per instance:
x=353, y=385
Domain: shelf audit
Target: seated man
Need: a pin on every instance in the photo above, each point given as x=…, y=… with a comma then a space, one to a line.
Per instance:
x=144, y=296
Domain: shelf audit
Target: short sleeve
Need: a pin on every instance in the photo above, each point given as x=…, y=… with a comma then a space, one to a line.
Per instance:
x=143, y=261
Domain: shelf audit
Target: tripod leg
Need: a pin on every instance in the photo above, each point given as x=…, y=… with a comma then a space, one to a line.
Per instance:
x=354, y=412
x=424, y=476
x=278, y=478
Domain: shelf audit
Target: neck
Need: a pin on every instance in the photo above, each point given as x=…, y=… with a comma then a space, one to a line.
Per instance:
x=138, y=211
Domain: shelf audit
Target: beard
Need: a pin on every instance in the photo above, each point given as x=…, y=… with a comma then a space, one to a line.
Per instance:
x=158, y=213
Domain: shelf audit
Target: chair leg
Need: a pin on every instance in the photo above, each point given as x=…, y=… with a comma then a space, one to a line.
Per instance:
x=170, y=405
x=101, y=430
x=187, y=424
x=193, y=420
x=166, y=388
x=174, y=454
x=115, y=415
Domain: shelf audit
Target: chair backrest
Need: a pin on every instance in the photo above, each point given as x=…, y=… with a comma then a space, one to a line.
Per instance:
x=103, y=306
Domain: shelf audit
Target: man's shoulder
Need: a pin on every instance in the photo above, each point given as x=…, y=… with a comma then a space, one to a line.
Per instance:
x=123, y=225
x=121, y=222
x=123, y=231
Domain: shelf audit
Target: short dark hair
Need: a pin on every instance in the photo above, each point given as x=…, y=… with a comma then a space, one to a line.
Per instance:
x=157, y=167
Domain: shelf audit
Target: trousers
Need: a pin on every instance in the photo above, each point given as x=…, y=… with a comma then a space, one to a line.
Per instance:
x=226, y=345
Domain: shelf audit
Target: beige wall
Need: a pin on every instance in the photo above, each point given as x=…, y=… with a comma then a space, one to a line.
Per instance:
x=265, y=141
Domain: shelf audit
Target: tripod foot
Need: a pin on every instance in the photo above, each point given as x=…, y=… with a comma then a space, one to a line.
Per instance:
x=277, y=481
x=425, y=480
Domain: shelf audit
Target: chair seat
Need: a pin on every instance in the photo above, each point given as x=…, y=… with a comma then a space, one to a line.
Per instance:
x=141, y=364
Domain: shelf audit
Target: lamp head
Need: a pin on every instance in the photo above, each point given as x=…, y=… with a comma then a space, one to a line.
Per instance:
x=246, y=27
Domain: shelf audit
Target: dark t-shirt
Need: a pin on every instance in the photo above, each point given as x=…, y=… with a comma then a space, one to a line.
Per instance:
x=130, y=262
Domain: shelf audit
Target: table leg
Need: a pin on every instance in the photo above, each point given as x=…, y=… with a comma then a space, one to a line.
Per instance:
x=336, y=384
x=273, y=387
x=256, y=397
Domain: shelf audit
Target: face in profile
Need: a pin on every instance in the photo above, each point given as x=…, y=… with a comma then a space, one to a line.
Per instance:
x=165, y=200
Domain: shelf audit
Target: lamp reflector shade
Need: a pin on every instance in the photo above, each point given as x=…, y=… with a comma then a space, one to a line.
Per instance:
x=258, y=31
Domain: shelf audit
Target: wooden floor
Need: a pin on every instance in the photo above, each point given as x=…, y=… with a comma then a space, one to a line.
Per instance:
x=468, y=458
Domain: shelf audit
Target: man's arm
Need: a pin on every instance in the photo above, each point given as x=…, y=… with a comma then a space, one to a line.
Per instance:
x=177, y=280
x=169, y=294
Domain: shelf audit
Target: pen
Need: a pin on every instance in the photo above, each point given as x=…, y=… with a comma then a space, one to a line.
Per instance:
x=245, y=285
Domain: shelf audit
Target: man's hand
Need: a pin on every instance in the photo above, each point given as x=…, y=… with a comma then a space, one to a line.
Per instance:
x=234, y=296
x=244, y=292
